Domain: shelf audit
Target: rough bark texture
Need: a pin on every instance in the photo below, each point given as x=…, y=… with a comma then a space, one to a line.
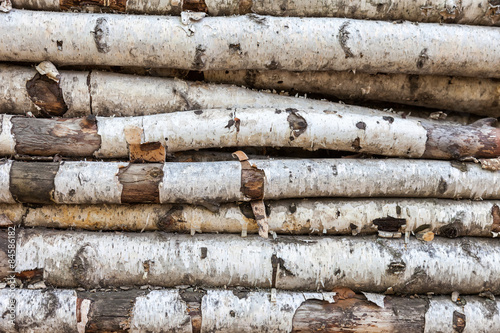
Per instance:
x=473, y=95
x=290, y=127
x=483, y=12
x=72, y=259
x=212, y=183
x=447, y=218
x=250, y=42
x=231, y=310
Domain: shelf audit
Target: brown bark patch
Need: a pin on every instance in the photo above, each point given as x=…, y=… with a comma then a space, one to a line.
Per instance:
x=147, y=152
x=495, y=212
x=194, y=6
x=47, y=137
x=252, y=183
x=105, y=5
x=33, y=182
x=140, y=183
x=389, y=223
x=47, y=95
x=459, y=321
x=245, y=7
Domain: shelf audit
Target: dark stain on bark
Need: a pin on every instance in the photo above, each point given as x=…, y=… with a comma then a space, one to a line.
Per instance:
x=168, y=221
x=459, y=321
x=443, y=186
x=495, y=212
x=235, y=47
x=389, y=223
x=273, y=65
x=343, y=37
x=452, y=230
x=101, y=34
x=275, y=263
x=198, y=112
x=229, y=124
x=396, y=267
x=194, y=6
x=459, y=165
x=80, y=264
x=241, y=294
x=47, y=95
x=413, y=81
x=198, y=62
x=356, y=145
x=250, y=78
x=33, y=182
x=257, y=18
x=204, y=251
x=297, y=123
x=389, y=119
x=422, y=58
x=361, y=125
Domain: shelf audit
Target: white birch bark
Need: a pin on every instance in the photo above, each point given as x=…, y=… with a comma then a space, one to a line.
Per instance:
x=481, y=12
x=39, y=311
x=319, y=216
x=71, y=259
x=5, y=195
x=472, y=95
x=250, y=42
x=7, y=141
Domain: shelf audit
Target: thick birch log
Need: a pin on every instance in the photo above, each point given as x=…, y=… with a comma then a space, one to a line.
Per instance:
x=88, y=259
x=472, y=95
x=250, y=42
x=380, y=134
x=212, y=183
x=483, y=12
x=320, y=216
x=238, y=311
x=109, y=94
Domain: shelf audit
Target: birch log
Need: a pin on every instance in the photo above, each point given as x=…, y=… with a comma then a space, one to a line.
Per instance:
x=212, y=183
x=244, y=311
x=88, y=259
x=448, y=218
x=250, y=42
x=472, y=95
x=106, y=94
x=483, y=12
x=106, y=137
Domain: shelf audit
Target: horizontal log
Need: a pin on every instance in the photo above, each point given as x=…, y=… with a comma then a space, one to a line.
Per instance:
x=88, y=259
x=119, y=137
x=250, y=42
x=236, y=311
x=448, y=218
x=464, y=94
x=110, y=94
x=211, y=183
x=483, y=12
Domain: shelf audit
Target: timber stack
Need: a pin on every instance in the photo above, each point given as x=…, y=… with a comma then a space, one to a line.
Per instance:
x=249, y=166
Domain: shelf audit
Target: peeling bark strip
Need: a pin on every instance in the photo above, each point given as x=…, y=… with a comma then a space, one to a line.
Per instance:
x=211, y=183
x=481, y=12
x=472, y=95
x=151, y=46
x=311, y=129
x=447, y=218
x=223, y=311
x=88, y=259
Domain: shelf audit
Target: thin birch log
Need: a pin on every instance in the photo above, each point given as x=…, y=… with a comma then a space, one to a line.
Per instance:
x=251, y=311
x=212, y=183
x=109, y=94
x=88, y=259
x=250, y=42
x=105, y=137
x=448, y=218
x=483, y=12
x=472, y=95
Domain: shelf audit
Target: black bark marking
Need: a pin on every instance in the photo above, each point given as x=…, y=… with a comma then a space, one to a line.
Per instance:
x=33, y=182
x=443, y=186
x=235, y=47
x=257, y=18
x=59, y=45
x=459, y=165
x=173, y=216
x=459, y=321
x=422, y=58
x=297, y=123
x=278, y=262
x=101, y=34
x=343, y=37
x=198, y=112
x=292, y=208
x=452, y=230
x=389, y=223
x=47, y=95
x=396, y=267
x=81, y=266
x=334, y=170
x=198, y=62
x=356, y=145
x=273, y=65
x=250, y=78
x=361, y=125
x=204, y=251
x=247, y=211
x=389, y=119
x=229, y=124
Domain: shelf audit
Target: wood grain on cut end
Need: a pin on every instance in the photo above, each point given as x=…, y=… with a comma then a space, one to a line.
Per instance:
x=33, y=181
x=47, y=137
x=140, y=183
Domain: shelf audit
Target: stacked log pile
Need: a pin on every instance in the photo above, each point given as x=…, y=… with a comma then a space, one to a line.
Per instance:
x=164, y=171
